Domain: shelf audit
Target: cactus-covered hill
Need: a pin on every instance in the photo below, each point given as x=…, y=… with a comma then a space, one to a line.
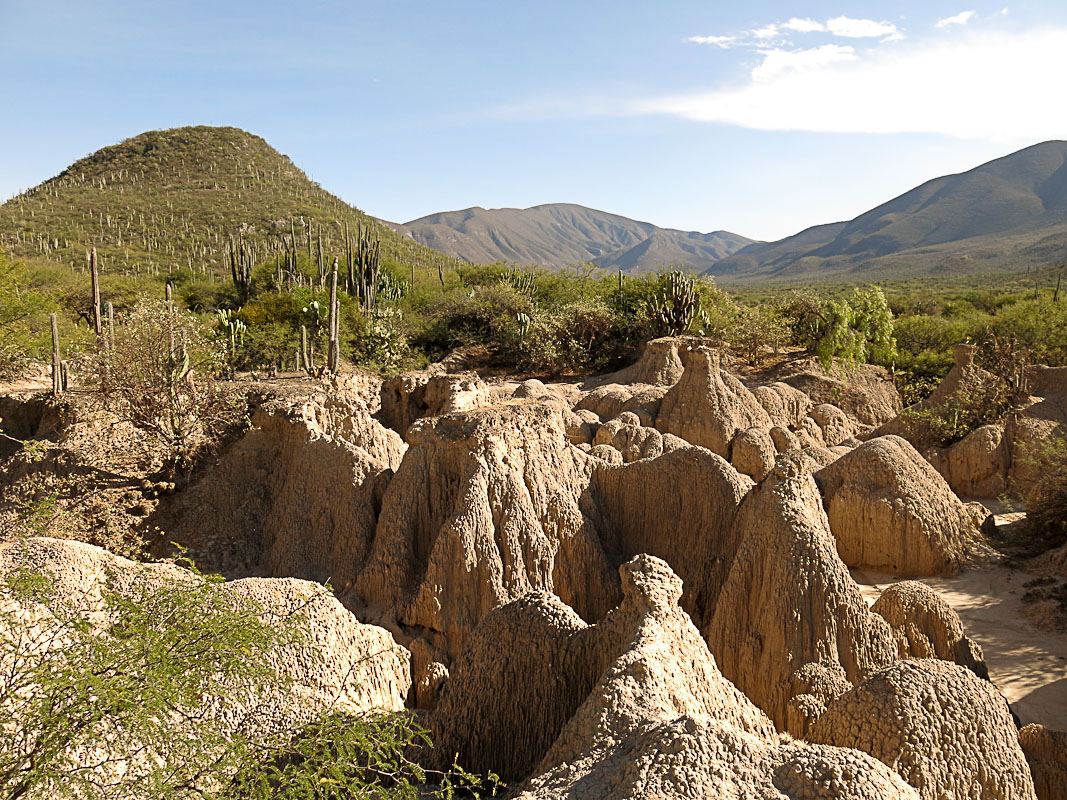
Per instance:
x=173, y=198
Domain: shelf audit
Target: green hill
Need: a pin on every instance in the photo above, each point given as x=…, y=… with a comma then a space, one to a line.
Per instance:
x=172, y=199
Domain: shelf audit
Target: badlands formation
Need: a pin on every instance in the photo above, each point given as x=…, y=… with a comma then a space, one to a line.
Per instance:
x=639, y=586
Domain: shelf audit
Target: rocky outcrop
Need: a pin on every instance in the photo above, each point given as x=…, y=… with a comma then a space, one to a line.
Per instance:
x=925, y=626
x=340, y=663
x=483, y=510
x=1046, y=752
x=680, y=507
x=660, y=364
x=410, y=396
x=975, y=466
x=296, y=496
x=834, y=424
x=661, y=721
x=708, y=406
x=866, y=393
x=788, y=600
x=946, y=732
x=890, y=510
x=785, y=405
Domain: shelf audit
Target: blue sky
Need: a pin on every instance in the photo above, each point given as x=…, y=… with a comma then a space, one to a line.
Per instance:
x=762, y=118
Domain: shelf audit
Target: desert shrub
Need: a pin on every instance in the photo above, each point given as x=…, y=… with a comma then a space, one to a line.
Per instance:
x=581, y=336
x=1046, y=501
x=483, y=315
x=755, y=331
x=158, y=372
x=949, y=421
x=111, y=699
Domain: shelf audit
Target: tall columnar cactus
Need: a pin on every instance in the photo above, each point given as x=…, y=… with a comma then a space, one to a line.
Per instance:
x=333, y=354
x=94, y=272
x=242, y=258
x=364, y=267
x=675, y=306
x=57, y=358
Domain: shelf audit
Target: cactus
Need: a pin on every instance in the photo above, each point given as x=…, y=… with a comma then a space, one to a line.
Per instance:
x=676, y=304
x=364, y=267
x=524, y=323
x=333, y=354
x=57, y=360
x=94, y=272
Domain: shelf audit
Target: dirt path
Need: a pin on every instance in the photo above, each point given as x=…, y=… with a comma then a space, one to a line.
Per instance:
x=1028, y=664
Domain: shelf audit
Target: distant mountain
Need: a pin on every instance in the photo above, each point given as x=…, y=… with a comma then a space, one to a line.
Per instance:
x=1002, y=216
x=173, y=198
x=560, y=234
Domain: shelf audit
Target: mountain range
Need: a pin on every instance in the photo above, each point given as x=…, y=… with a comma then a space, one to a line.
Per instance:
x=558, y=235
x=1006, y=215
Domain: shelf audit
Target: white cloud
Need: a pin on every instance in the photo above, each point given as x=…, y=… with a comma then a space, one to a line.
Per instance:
x=959, y=19
x=990, y=86
x=778, y=62
x=766, y=32
x=860, y=28
x=804, y=25
x=718, y=41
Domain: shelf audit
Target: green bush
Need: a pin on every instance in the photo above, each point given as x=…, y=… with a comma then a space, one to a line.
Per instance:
x=1046, y=501
x=110, y=699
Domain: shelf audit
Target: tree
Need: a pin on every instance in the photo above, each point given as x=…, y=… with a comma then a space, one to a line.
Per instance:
x=853, y=330
x=756, y=330
x=154, y=690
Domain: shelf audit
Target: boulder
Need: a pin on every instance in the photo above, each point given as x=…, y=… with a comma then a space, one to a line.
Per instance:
x=925, y=626
x=945, y=731
x=708, y=407
x=975, y=466
x=890, y=510
x=659, y=364
x=753, y=453
x=1046, y=752
x=834, y=423
x=785, y=405
x=866, y=393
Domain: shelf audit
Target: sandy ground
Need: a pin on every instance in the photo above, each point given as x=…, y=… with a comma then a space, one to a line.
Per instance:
x=1029, y=665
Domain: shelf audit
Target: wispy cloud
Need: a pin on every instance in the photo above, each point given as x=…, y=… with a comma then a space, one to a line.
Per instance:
x=860, y=28
x=718, y=41
x=803, y=25
x=958, y=19
x=843, y=27
x=973, y=86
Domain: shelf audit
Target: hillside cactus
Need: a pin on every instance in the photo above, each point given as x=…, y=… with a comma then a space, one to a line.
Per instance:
x=675, y=306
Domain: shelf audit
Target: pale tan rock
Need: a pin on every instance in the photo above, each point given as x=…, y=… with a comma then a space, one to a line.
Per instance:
x=945, y=731
x=1046, y=752
x=834, y=423
x=485, y=509
x=659, y=364
x=753, y=453
x=659, y=720
x=296, y=496
x=606, y=453
x=925, y=626
x=341, y=662
x=581, y=426
x=607, y=401
x=890, y=510
x=708, y=406
x=784, y=439
x=785, y=405
x=680, y=507
x=431, y=392
x=866, y=393
x=975, y=466
x=788, y=600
